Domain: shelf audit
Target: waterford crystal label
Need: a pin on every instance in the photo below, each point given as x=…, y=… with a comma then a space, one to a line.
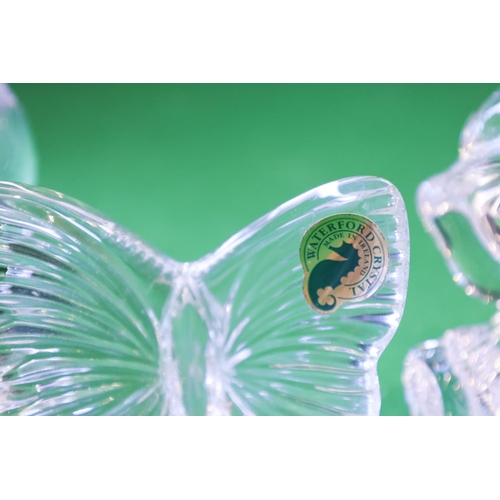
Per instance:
x=345, y=259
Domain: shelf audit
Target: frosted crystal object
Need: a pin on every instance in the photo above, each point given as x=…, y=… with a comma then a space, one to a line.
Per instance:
x=17, y=153
x=459, y=373
x=95, y=321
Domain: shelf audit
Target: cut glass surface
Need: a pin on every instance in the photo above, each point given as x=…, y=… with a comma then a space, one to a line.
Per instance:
x=17, y=153
x=95, y=321
x=458, y=374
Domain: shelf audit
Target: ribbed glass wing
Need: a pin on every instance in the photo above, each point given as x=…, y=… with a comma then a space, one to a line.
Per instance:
x=80, y=304
x=271, y=352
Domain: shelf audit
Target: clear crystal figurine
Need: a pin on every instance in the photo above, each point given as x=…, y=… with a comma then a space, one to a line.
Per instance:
x=95, y=321
x=17, y=153
x=459, y=373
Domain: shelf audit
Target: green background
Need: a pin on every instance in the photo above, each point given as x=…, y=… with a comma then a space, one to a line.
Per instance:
x=158, y=158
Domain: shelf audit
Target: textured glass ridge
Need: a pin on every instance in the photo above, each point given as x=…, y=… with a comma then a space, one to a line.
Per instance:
x=17, y=153
x=94, y=321
x=458, y=374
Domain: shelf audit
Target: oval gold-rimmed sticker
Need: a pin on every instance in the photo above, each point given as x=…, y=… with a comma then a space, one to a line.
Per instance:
x=345, y=259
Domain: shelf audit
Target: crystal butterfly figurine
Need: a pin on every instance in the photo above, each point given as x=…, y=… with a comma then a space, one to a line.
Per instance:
x=93, y=321
x=17, y=152
x=459, y=373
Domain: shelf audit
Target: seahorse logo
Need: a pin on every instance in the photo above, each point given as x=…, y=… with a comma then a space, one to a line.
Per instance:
x=345, y=259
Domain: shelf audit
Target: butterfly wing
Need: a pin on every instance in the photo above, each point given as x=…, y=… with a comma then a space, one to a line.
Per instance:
x=269, y=352
x=80, y=304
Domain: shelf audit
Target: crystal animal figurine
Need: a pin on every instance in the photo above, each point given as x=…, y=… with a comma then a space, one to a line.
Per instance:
x=93, y=321
x=459, y=373
x=17, y=153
